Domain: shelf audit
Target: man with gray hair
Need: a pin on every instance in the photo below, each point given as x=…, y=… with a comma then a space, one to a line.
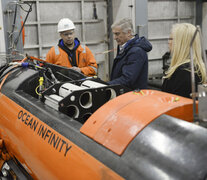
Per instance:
x=130, y=67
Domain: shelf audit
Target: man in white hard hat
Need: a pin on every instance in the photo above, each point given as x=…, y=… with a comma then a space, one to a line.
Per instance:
x=70, y=53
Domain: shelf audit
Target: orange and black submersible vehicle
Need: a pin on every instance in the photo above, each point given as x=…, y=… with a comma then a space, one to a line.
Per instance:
x=56, y=123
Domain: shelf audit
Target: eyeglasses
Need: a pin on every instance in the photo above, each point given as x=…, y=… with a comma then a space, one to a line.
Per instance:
x=68, y=33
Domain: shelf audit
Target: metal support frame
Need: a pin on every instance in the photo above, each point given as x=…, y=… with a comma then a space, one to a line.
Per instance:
x=193, y=75
x=198, y=31
x=38, y=27
x=110, y=34
x=83, y=23
x=178, y=11
x=2, y=34
x=10, y=10
x=204, y=24
x=199, y=12
x=141, y=17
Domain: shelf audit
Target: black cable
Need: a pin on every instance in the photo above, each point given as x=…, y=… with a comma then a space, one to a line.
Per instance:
x=13, y=68
x=64, y=75
x=52, y=75
x=95, y=16
x=3, y=68
x=23, y=8
x=165, y=58
x=47, y=81
x=30, y=9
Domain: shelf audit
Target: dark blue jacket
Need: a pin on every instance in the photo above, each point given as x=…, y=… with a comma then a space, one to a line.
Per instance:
x=130, y=67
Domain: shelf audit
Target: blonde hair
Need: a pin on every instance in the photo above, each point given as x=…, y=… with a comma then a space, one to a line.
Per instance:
x=182, y=35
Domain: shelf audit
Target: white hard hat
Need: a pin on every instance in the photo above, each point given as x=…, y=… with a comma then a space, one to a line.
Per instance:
x=65, y=24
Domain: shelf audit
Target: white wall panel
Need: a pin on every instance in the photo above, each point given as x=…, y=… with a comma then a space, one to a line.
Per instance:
x=49, y=34
x=154, y=67
x=187, y=8
x=160, y=28
x=159, y=49
x=122, y=9
x=31, y=34
x=60, y=10
x=162, y=9
x=102, y=58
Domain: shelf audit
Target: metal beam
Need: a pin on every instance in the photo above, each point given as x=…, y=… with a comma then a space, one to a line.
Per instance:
x=39, y=28
x=12, y=25
x=2, y=36
x=110, y=34
x=170, y=18
x=83, y=30
x=141, y=17
x=204, y=25
x=199, y=12
x=59, y=1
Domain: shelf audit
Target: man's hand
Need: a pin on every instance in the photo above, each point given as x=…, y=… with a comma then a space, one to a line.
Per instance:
x=76, y=69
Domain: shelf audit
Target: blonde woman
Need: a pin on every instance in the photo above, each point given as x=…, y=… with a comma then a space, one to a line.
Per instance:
x=178, y=77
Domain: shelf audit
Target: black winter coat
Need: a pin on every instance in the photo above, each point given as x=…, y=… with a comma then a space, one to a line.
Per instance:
x=180, y=81
x=130, y=67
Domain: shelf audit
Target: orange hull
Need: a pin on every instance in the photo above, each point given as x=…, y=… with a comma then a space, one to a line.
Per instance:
x=43, y=152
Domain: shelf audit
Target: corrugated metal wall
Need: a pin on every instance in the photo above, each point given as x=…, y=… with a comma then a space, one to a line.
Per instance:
x=41, y=27
x=162, y=14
